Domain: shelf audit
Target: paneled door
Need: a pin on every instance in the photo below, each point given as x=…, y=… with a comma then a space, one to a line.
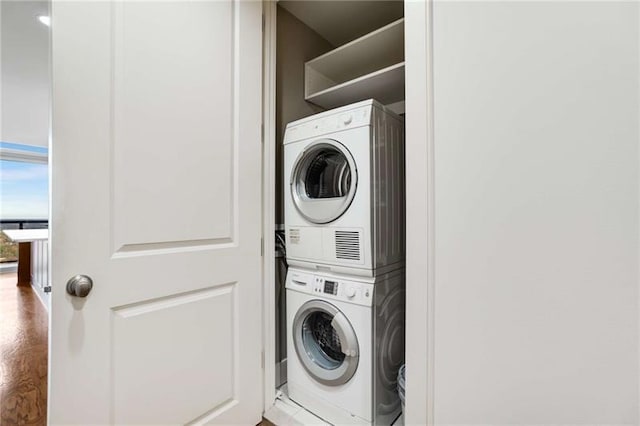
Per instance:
x=156, y=177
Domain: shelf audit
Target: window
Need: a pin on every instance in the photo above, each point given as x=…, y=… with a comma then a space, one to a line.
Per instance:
x=24, y=192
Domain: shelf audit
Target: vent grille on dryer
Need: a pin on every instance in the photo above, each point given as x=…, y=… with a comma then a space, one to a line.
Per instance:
x=348, y=245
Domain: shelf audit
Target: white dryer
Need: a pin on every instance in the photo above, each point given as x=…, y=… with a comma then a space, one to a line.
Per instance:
x=345, y=344
x=344, y=190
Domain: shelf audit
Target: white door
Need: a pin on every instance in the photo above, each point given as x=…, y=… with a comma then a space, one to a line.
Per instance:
x=156, y=197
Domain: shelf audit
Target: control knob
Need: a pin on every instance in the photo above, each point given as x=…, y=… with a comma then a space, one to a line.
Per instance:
x=350, y=292
x=347, y=119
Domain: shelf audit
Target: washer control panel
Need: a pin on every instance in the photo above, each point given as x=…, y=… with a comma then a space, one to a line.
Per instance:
x=331, y=287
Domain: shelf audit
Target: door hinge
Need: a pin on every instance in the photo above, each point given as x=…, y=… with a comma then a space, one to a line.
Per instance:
x=47, y=289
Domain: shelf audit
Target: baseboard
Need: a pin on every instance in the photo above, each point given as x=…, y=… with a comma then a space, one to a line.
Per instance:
x=43, y=297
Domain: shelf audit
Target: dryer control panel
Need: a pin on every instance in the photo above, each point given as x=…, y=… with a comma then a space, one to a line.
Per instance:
x=329, y=287
x=329, y=122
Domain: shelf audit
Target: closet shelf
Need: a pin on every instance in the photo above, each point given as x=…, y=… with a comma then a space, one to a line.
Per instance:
x=371, y=66
x=385, y=86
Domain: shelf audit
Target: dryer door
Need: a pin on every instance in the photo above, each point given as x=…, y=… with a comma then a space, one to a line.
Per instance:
x=323, y=181
x=325, y=342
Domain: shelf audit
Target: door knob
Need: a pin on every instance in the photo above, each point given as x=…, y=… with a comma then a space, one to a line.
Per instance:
x=79, y=286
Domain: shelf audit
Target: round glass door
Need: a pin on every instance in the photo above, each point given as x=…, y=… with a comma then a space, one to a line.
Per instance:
x=325, y=342
x=323, y=181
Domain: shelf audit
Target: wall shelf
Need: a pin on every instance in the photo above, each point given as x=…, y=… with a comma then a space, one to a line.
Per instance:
x=371, y=66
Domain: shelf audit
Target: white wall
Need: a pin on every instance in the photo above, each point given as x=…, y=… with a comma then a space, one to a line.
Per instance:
x=536, y=212
x=25, y=79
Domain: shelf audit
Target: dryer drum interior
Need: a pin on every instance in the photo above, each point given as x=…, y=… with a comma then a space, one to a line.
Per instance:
x=328, y=175
x=323, y=181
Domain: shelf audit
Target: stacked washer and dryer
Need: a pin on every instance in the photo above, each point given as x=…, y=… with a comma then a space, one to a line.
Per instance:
x=344, y=222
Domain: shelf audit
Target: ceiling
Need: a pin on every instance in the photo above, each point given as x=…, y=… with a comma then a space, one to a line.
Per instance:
x=339, y=22
x=25, y=77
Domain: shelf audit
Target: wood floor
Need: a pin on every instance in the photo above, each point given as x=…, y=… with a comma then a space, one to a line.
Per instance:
x=23, y=355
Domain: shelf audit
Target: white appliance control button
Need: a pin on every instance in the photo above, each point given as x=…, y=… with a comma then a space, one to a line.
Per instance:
x=347, y=119
x=350, y=292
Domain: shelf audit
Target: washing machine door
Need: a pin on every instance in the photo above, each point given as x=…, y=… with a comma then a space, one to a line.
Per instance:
x=323, y=181
x=325, y=343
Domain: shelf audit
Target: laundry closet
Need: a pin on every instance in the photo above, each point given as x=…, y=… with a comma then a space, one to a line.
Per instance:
x=521, y=251
x=339, y=203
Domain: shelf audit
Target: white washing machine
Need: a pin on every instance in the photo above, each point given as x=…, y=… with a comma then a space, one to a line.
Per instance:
x=345, y=344
x=344, y=190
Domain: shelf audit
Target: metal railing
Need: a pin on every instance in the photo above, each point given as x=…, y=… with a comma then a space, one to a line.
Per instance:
x=24, y=224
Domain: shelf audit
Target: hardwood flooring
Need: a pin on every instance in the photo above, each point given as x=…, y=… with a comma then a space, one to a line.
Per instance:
x=23, y=355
